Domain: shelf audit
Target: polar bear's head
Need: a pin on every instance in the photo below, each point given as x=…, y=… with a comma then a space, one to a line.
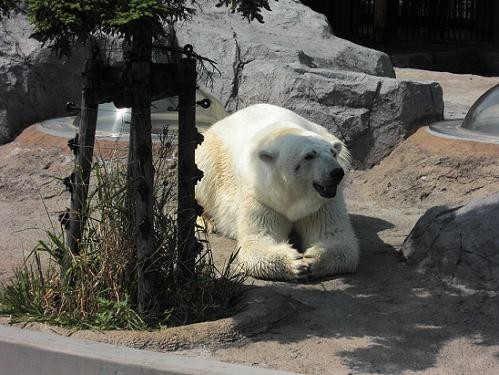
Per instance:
x=299, y=170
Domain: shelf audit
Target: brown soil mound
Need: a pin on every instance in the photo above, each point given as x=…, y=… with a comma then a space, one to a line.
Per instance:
x=426, y=170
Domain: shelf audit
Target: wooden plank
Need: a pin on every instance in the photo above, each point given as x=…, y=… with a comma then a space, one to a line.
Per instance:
x=141, y=172
x=83, y=163
x=188, y=173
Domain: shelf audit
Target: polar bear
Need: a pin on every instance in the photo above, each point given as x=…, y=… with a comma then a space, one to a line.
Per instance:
x=270, y=174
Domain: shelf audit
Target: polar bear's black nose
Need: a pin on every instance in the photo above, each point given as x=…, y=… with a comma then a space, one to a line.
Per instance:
x=337, y=174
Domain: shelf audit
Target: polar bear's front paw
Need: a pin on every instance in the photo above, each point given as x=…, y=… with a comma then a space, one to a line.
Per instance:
x=325, y=261
x=277, y=262
x=299, y=269
x=314, y=258
x=292, y=265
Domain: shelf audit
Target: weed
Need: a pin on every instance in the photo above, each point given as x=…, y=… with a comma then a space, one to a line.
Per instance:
x=96, y=288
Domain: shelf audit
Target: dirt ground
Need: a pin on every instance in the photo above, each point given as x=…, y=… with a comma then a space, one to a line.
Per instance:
x=386, y=318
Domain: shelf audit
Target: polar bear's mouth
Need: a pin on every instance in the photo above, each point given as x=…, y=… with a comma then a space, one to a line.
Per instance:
x=328, y=191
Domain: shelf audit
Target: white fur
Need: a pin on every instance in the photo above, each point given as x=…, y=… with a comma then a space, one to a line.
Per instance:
x=254, y=191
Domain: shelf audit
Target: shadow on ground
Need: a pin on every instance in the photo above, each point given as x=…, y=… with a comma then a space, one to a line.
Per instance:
x=401, y=317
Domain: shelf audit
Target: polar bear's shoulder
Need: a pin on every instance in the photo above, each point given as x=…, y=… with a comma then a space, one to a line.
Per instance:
x=256, y=119
x=241, y=132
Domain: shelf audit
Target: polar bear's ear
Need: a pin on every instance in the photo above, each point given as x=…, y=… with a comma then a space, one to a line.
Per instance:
x=343, y=155
x=338, y=146
x=267, y=156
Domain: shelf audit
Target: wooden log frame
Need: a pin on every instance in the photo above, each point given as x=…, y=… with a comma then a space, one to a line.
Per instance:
x=84, y=150
x=141, y=167
x=144, y=82
x=188, y=173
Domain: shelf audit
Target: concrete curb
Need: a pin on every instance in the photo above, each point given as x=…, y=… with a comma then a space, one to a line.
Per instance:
x=24, y=352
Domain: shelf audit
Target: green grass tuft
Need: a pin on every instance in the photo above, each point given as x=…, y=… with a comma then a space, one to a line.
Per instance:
x=97, y=289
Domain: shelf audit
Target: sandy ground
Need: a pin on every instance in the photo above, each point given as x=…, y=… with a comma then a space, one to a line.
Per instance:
x=386, y=318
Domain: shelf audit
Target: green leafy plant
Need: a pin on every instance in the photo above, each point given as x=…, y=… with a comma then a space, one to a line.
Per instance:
x=97, y=288
x=249, y=9
x=64, y=23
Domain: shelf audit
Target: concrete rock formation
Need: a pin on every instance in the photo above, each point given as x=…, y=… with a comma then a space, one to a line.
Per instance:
x=460, y=243
x=291, y=60
x=294, y=61
x=34, y=84
x=371, y=114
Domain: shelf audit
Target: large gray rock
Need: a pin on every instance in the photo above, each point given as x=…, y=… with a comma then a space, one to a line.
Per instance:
x=34, y=84
x=371, y=114
x=294, y=61
x=461, y=244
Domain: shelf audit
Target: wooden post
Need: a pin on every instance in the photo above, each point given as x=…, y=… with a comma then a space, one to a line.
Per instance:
x=188, y=173
x=141, y=167
x=84, y=153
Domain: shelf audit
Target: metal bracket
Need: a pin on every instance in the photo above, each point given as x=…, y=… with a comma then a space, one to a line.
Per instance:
x=199, y=138
x=72, y=107
x=69, y=181
x=189, y=50
x=205, y=103
x=73, y=144
x=198, y=175
x=198, y=209
x=65, y=218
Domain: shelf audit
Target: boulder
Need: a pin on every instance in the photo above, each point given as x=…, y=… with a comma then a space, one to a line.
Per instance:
x=371, y=114
x=294, y=61
x=460, y=244
x=291, y=60
x=34, y=84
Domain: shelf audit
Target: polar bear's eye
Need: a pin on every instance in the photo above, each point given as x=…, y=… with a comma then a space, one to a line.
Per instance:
x=310, y=155
x=333, y=152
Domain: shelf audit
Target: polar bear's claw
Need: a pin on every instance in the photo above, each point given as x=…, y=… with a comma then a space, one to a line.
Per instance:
x=300, y=269
x=312, y=258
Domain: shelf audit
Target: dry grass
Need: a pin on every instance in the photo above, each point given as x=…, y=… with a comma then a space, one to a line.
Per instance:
x=97, y=288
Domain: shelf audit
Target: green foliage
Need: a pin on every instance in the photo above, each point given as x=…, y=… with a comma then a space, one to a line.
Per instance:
x=98, y=289
x=63, y=23
x=249, y=9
